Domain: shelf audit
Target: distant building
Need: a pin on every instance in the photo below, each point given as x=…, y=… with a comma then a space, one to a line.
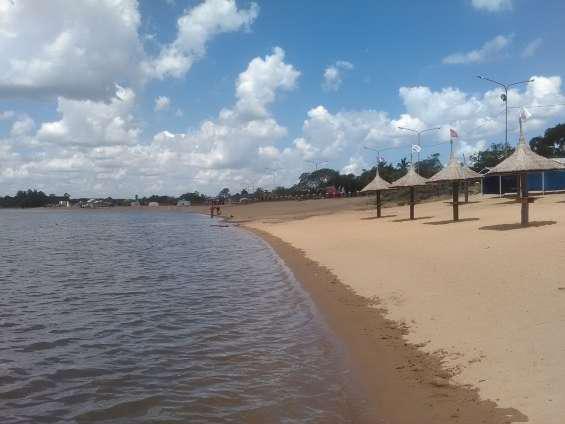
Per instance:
x=64, y=204
x=135, y=203
x=153, y=204
x=183, y=203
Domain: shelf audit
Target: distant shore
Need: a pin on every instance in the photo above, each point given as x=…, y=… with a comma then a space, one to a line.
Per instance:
x=444, y=322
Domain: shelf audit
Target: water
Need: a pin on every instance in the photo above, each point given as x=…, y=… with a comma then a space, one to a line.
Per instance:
x=156, y=317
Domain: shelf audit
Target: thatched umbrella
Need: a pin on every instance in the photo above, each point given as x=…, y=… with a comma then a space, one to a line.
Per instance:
x=522, y=161
x=377, y=185
x=454, y=173
x=411, y=180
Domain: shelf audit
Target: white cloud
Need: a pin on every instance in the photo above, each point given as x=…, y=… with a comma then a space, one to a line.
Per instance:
x=162, y=103
x=333, y=75
x=492, y=5
x=194, y=30
x=91, y=123
x=256, y=87
x=62, y=48
x=6, y=115
x=80, y=50
x=532, y=47
x=21, y=127
x=489, y=51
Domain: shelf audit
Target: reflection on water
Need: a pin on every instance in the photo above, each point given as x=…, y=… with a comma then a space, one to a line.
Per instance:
x=137, y=316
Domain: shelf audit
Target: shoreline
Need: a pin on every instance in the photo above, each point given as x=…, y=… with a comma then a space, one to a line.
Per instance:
x=402, y=384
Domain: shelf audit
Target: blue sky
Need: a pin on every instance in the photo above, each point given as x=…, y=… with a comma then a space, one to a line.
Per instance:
x=295, y=80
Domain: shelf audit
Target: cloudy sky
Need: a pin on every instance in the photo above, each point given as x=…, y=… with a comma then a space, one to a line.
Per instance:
x=124, y=97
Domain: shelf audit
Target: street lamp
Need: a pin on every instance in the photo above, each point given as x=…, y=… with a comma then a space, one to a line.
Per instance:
x=419, y=134
x=504, y=96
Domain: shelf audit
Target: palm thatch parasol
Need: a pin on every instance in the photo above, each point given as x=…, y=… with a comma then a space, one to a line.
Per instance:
x=411, y=180
x=377, y=185
x=522, y=161
x=455, y=173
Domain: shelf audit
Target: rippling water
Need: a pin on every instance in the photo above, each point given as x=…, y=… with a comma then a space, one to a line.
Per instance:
x=153, y=317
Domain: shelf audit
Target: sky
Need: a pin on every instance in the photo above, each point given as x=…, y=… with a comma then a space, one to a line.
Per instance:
x=126, y=97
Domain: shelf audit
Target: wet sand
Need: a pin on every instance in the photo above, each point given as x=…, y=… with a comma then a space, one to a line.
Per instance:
x=446, y=322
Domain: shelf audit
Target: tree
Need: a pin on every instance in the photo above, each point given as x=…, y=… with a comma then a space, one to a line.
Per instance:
x=429, y=166
x=224, y=193
x=491, y=157
x=552, y=144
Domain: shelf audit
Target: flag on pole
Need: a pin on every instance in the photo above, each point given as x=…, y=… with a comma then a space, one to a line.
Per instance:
x=416, y=148
x=525, y=114
x=453, y=133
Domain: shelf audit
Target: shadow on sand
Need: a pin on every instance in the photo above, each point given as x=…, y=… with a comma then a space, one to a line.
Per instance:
x=470, y=202
x=375, y=217
x=450, y=221
x=517, y=226
x=415, y=219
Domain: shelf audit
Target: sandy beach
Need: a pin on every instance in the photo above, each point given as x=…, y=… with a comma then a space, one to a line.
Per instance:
x=463, y=319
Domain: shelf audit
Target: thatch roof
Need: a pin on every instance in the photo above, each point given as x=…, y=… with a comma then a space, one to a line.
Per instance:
x=411, y=179
x=377, y=184
x=469, y=173
x=454, y=171
x=524, y=160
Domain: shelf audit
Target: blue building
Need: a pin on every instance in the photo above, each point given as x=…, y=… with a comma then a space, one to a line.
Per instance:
x=547, y=181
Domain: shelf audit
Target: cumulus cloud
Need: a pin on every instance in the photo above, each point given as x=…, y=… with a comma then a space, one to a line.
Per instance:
x=162, y=103
x=492, y=5
x=97, y=147
x=490, y=50
x=333, y=75
x=62, y=48
x=532, y=47
x=6, y=115
x=92, y=123
x=80, y=50
x=194, y=30
x=256, y=87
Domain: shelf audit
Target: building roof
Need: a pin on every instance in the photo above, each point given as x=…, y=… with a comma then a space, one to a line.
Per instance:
x=411, y=179
x=524, y=159
x=377, y=183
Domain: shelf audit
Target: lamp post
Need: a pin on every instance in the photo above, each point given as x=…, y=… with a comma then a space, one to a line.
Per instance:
x=419, y=134
x=504, y=96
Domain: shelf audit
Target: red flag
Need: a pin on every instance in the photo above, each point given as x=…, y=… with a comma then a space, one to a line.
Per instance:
x=453, y=133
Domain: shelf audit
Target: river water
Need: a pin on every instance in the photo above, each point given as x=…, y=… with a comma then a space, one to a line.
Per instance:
x=133, y=316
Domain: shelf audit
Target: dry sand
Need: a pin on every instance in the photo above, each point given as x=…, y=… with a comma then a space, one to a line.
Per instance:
x=483, y=294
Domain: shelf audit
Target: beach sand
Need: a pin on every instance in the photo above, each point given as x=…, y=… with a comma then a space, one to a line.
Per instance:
x=478, y=304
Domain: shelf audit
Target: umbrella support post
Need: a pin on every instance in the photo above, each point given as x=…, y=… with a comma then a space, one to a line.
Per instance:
x=466, y=191
x=378, y=203
x=525, y=203
x=455, y=200
x=411, y=202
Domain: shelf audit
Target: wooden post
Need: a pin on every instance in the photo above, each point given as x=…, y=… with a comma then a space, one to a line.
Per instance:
x=455, y=200
x=466, y=191
x=411, y=202
x=525, y=203
x=378, y=203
